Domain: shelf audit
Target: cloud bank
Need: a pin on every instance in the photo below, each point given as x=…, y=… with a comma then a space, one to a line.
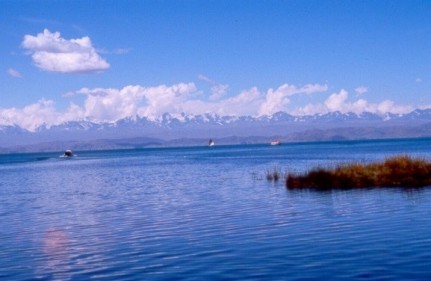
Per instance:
x=51, y=52
x=111, y=104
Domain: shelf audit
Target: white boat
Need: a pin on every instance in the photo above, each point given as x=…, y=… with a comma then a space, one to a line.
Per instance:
x=211, y=142
x=275, y=142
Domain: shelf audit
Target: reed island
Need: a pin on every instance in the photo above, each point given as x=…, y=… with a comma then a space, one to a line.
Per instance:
x=397, y=171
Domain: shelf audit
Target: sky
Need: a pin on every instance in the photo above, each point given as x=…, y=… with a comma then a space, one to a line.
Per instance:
x=102, y=61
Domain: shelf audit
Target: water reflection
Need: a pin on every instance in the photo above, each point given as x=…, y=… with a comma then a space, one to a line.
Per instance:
x=56, y=258
x=55, y=242
x=414, y=195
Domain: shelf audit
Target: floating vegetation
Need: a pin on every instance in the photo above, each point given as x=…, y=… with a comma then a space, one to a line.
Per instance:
x=398, y=171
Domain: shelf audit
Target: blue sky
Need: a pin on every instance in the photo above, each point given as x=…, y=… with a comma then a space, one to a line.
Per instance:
x=106, y=60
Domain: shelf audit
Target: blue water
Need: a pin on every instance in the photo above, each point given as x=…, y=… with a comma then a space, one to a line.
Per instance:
x=201, y=213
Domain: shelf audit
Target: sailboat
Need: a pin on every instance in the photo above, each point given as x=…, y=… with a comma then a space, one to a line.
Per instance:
x=211, y=142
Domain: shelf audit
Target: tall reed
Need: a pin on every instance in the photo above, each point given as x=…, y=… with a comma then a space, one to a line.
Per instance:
x=398, y=171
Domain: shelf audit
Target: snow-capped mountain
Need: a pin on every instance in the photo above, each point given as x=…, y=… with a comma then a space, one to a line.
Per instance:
x=10, y=130
x=169, y=127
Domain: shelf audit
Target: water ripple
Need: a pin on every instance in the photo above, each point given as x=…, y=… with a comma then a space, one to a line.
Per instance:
x=161, y=214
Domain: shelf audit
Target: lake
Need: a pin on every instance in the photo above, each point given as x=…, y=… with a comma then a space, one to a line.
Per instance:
x=208, y=213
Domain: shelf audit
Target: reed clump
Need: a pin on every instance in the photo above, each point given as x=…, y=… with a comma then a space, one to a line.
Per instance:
x=273, y=175
x=398, y=171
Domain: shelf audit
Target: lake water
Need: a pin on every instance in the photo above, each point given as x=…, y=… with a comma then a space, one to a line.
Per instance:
x=201, y=213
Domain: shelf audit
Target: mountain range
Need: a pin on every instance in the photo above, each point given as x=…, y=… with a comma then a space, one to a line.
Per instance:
x=183, y=130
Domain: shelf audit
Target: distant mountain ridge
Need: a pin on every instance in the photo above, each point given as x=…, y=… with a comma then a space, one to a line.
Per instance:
x=185, y=129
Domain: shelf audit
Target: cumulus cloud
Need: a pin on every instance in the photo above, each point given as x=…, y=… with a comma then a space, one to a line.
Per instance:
x=112, y=104
x=31, y=116
x=218, y=91
x=339, y=102
x=389, y=106
x=14, y=73
x=245, y=103
x=162, y=99
x=51, y=52
x=109, y=105
x=277, y=100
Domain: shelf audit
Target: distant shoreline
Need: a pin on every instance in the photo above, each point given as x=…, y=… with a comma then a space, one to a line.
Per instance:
x=143, y=143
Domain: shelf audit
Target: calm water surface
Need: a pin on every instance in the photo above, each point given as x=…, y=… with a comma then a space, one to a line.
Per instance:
x=208, y=214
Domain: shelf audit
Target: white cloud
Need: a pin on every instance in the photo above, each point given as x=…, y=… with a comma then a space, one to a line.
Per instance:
x=51, y=52
x=205, y=79
x=313, y=88
x=217, y=90
x=14, y=73
x=31, y=116
x=389, y=106
x=311, y=109
x=361, y=90
x=339, y=102
x=245, y=103
x=164, y=99
x=418, y=80
x=111, y=104
x=119, y=51
x=277, y=100
x=360, y=106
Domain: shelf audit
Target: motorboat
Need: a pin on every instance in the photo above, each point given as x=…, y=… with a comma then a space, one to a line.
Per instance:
x=68, y=153
x=275, y=142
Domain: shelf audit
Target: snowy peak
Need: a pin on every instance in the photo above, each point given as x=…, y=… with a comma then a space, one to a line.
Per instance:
x=171, y=121
x=170, y=126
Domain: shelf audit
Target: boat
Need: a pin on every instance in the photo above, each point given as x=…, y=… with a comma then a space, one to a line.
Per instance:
x=68, y=153
x=211, y=142
x=275, y=142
